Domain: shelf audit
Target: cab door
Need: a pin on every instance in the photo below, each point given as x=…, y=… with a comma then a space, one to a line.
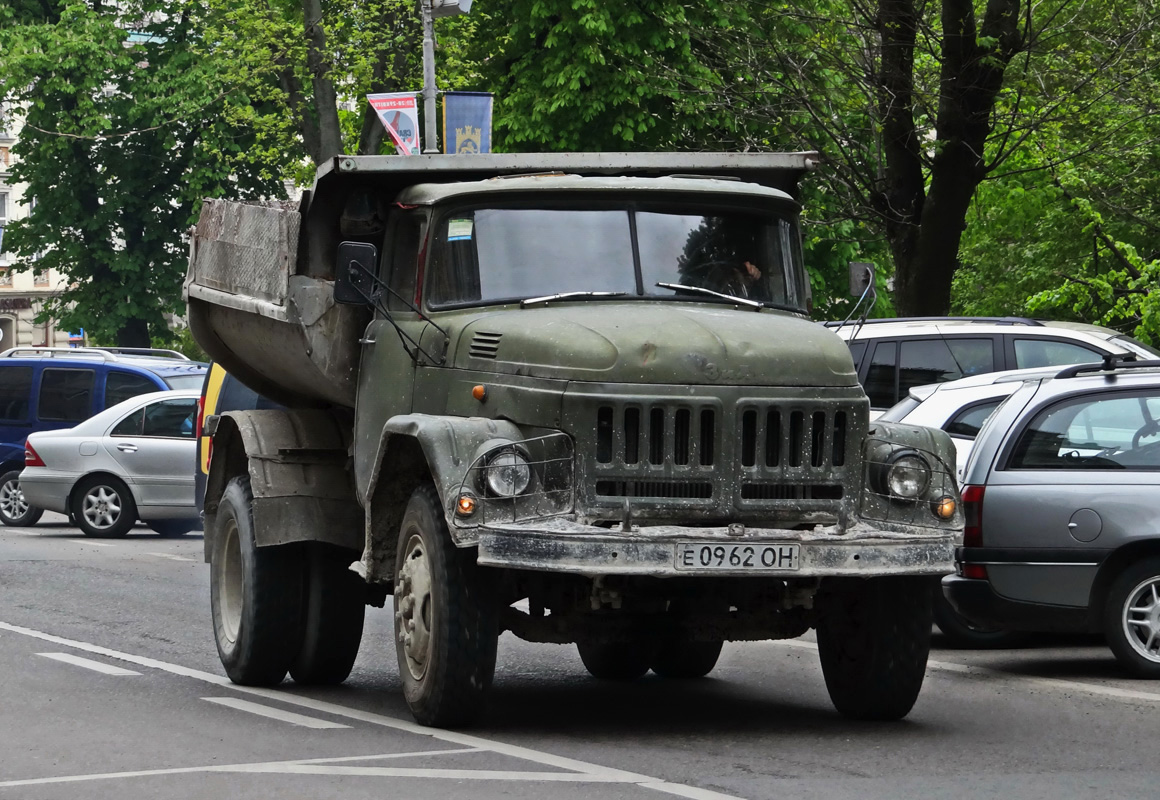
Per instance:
x=386, y=379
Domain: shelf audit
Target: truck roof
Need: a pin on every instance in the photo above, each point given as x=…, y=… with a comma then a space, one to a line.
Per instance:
x=428, y=193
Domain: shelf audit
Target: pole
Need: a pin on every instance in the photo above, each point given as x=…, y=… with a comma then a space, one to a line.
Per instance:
x=430, y=139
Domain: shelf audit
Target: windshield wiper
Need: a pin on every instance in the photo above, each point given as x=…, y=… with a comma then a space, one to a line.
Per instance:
x=680, y=287
x=566, y=295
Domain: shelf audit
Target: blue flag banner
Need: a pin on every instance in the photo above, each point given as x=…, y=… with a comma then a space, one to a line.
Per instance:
x=467, y=122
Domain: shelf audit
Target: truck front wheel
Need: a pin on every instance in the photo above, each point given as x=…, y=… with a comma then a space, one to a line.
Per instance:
x=255, y=594
x=446, y=628
x=873, y=641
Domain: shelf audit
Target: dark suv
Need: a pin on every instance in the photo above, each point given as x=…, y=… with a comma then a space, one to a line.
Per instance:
x=46, y=388
x=1063, y=529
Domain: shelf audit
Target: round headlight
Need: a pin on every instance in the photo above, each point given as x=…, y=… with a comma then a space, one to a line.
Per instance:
x=908, y=476
x=508, y=474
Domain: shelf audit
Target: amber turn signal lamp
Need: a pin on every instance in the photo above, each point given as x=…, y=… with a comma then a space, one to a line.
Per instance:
x=479, y=392
x=944, y=507
x=466, y=505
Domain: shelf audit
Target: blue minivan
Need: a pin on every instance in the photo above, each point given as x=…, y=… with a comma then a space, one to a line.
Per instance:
x=46, y=388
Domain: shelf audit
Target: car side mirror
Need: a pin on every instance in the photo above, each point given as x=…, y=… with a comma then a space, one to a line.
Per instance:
x=354, y=274
x=861, y=278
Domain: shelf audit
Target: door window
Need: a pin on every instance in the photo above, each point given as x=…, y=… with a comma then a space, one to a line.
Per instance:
x=170, y=418
x=15, y=389
x=967, y=422
x=937, y=360
x=406, y=243
x=881, y=378
x=1047, y=353
x=1102, y=432
x=130, y=425
x=120, y=386
x=66, y=395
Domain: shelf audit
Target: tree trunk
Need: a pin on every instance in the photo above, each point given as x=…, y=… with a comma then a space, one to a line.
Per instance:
x=325, y=98
x=134, y=332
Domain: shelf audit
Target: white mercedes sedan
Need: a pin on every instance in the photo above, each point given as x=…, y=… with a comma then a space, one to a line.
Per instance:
x=134, y=461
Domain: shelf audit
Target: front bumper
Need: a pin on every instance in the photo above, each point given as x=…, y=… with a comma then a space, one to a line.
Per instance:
x=565, y=546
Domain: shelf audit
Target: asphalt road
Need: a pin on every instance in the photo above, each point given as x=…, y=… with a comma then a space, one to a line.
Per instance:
x=110, y=686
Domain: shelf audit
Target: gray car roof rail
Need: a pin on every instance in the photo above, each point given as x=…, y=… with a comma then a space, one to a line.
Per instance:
x=1112, y=362
x=58, y=352
x=153, y=352
x=981, y=320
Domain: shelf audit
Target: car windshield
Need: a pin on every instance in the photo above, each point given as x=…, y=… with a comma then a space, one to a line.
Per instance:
x=504, y=254
x=184, y=381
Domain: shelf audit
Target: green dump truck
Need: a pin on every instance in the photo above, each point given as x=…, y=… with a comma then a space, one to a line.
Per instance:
x=576, y=397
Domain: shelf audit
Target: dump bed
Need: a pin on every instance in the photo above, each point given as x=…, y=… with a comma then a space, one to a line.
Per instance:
x=260, y=279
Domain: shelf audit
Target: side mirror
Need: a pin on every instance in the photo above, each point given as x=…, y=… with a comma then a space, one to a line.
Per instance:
x=861, y=278
x=354, y=274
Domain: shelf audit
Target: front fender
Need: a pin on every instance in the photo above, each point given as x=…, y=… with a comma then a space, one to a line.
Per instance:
x=449, y=445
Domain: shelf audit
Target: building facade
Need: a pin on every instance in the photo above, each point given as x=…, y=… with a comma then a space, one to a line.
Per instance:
x=22, y=294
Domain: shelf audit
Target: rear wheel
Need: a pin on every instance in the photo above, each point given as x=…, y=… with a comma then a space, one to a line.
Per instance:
x=255, y=594
x=873, y=642
x=102, y=506
x=446, y=622
x=333, y=607
x=616, y=661
x=1132, y=618
x=685, y=659
x=14, y=509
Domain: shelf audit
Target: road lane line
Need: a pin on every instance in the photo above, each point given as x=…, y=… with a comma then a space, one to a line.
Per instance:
x=468, y=740
x=95, y=666
x=172, y=557
x=94, y=544
x=1056, y=684
x=273, y=713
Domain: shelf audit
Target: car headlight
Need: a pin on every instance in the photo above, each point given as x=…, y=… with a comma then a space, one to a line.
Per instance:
x=908, y=475
x=507, y=473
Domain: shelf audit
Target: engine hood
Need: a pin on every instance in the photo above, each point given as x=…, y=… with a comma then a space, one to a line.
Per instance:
x=640, y=342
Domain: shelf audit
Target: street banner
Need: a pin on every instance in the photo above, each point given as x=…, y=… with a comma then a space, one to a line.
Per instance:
x=467, y=122
x=399, y=113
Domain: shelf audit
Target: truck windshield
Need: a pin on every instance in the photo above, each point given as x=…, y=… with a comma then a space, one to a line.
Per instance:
x=495, y=255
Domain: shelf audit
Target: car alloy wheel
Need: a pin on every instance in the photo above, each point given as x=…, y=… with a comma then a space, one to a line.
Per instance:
x=12, y=502
x=1140, y=618
x=101, y=507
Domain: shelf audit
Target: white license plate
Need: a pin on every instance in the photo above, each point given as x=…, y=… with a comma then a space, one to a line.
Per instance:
x=718, y=556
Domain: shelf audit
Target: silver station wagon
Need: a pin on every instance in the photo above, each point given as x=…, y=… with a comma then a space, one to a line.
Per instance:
x=1062, y=520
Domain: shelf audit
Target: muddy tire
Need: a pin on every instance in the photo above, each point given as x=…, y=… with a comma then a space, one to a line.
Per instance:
x=255, y=594
x=873, y=642
x=616, y=661
x=1132, y=618
x=14, y=509
x=446, y=622
x=685, y=660
x=333, y=607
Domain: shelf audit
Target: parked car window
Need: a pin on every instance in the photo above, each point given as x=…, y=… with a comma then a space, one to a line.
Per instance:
x=120, y=386
x=15, y=389
x=881, y=386
x=1104, y=432
x=130, y=425
x=857, y=352
x=968, y=421
x=66, y=394
x=1046, y=353
x=170, y=418
x=937, y=360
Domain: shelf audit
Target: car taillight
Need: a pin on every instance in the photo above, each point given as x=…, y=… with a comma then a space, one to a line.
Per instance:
x=976, y=571
x=200, y=417
x=973, y=510
x=31, y=457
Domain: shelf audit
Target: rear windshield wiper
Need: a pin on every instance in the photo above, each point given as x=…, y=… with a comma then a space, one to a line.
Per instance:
x=565, y=295
x=680, y=287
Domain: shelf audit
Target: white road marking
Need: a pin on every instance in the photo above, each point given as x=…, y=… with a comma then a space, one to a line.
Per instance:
x=172, y=556
x=95, y=666
x=89, y=541
x=1045, y=683
x=273, y=713
x=524, y=753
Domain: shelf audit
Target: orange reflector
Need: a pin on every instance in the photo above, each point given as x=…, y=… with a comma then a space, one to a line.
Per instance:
x=466, y=505
x=945, y=507
x=479, y=393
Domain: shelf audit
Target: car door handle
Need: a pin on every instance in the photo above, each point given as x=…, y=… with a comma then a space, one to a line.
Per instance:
x=127, y=448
